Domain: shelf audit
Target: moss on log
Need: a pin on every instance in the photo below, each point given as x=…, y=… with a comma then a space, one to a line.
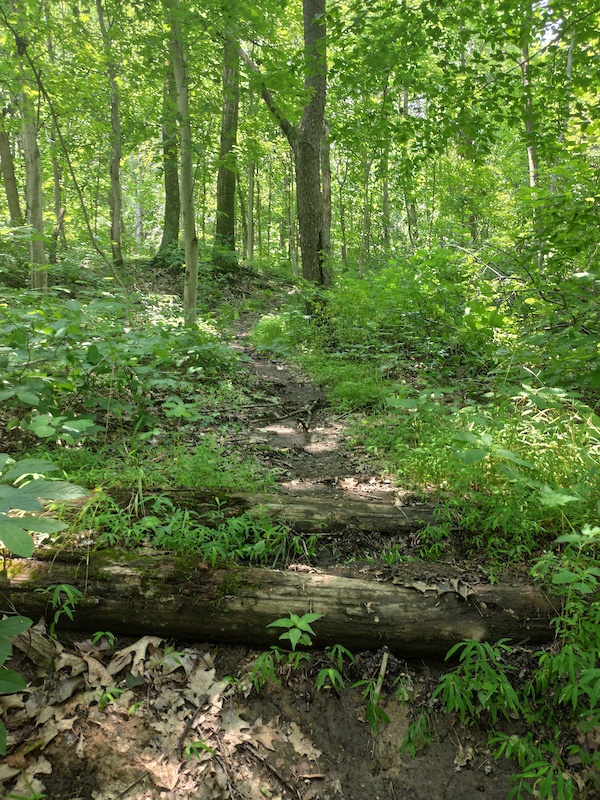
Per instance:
x=135, y=595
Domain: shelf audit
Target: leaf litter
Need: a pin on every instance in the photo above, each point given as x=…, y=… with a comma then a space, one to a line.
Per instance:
x=147, y=722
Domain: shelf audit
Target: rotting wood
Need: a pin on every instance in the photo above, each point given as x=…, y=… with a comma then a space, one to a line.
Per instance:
x=184, y=599
x=306, y=513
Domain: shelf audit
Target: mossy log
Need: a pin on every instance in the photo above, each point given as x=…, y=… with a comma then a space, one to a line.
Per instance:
x=304, y=513
x=155, y=594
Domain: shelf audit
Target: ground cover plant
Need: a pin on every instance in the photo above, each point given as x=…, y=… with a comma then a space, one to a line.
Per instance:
x=326, y=250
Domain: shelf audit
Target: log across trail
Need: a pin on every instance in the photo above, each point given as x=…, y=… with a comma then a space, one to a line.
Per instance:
x=304, y=513
x=183, y=599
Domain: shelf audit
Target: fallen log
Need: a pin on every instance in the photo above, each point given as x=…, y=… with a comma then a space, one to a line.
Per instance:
x=182, y=599
x=304, y=513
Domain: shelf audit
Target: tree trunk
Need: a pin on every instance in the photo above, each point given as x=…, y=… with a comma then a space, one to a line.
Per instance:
x=250, y=217
x=224, y=255
x=305, y=140
x=114, y=197
x=184, y=599
x=341, y=181
x=179, y=55
x=306, y=145
x=365, y=237
x=529, y=120
x=170, y=236
x=304, y=513
x=10, y=182
x=326, y=179
x=33, y=187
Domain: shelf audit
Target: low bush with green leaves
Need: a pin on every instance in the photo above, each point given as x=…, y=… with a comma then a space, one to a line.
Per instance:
x=21, y=487
x=554, y=705
x=219, y=539
x=72, y=368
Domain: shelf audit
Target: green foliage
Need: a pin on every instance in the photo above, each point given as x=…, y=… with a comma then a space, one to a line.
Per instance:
x=556, y=705
x=63, y=598
x=195, y=749
x=20, y=489
x=21, y=486
x=299, y=630
x=220, y=539
x=72, y=369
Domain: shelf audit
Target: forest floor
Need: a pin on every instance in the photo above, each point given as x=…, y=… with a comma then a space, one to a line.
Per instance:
x=149, y=719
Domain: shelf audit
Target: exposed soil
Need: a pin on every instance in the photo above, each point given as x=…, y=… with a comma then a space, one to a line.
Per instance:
x=72, y=736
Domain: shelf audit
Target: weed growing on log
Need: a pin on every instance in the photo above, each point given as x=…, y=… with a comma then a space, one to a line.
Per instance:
x=63, y=598
x=215, y=538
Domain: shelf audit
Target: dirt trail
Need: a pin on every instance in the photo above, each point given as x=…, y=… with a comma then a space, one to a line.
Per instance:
x=289, y=740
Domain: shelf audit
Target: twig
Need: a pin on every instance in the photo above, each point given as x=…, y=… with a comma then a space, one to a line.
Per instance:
x=382, y=669
x=271, y=768
x=131, y=785
x=186, y=730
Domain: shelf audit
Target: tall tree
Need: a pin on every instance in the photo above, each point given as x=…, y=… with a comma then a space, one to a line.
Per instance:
x=224, y=255
x=8, y=177
x=180, y=69
x=170, y=235
x=115, y=199
x=305, y=141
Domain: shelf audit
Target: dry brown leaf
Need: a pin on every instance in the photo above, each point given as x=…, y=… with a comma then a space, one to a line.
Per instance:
x=462, y=589
x=202, y=686
x=463, y=757
x=265, y=734
x=302, y=744
x=76, y=663
x=164, y=773
x=11, y=701
x=237, y=730
x=51, y=729
x=421, y=586
x=98, y=676
x=7, y=772
x=135, y=655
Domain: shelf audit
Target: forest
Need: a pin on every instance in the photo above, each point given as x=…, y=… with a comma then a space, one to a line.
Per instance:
x=299, y=338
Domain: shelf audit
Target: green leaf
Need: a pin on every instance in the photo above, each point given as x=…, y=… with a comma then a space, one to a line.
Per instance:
x=2, y=739
x=53, y=490
x=11, y=681
x=4, y=459
x=13, y=626
x=465, y=436
x=281, y=623
x=565, y=576
x=29, y=466
x=510, y=456
x=472, y=456
x=16, y=539
x=10, y=498
x=93, y=355
x=5, y=650
x=294, y=635
x=29, y=398
x=555, y=498
x=308, y=618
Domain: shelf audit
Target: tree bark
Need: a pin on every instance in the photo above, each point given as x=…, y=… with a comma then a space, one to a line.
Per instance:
x=305, y=513
x=33, y=180
x=326, y=179
x=179, y=55
x=184, y=599
x=170, y=236
x=306, y=145
x=224, y=255
x=114, y=197
x=305, y=140
x=8, y=177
